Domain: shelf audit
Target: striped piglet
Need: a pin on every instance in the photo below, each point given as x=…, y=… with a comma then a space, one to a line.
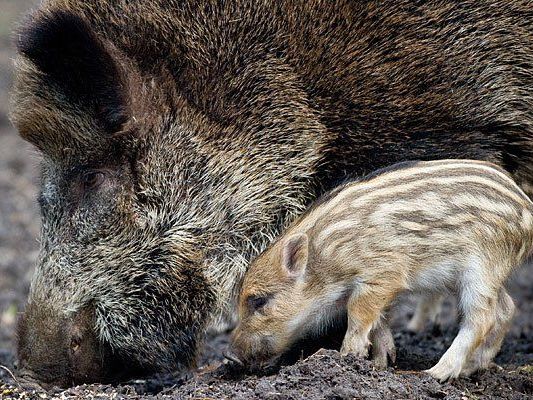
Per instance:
x=456, y=226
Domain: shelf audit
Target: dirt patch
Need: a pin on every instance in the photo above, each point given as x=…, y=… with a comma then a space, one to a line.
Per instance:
x=323, y=375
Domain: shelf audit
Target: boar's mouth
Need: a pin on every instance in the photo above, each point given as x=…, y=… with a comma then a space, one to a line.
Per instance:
x=48, y=378
x=66, y=351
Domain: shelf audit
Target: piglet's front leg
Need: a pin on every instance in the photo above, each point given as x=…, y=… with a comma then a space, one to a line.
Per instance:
x=364, y=308
x=356, y=344
x=383, y=348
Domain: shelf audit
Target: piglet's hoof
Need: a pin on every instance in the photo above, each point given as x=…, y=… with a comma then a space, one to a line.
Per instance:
x=383, y=348
x=382, y=354
x=357, y=348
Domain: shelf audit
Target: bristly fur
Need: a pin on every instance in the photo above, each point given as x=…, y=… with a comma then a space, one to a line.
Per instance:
x=458, y=226
x=209, y=126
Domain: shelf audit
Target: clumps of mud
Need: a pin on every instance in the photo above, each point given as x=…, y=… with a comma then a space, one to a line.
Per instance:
x=324, y=375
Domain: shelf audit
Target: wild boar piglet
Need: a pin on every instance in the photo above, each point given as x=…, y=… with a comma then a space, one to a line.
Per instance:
x=450, y=226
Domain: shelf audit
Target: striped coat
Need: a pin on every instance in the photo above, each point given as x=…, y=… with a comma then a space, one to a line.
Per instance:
x=434, y=227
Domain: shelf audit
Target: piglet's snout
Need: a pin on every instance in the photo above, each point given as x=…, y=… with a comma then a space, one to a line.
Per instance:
x=241, y=350
x=252, y=351
x=231, y=356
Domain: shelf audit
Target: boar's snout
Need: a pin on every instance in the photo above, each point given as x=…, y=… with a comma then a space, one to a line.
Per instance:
x=61, y=351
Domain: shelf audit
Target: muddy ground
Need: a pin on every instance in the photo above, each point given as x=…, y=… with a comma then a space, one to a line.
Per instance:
x=323, y=375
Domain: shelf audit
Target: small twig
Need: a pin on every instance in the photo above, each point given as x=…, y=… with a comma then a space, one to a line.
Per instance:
x=409, y=372
x=12, y=375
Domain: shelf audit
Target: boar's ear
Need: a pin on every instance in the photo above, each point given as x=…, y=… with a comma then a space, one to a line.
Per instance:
x=294, y=254
x=73, y=59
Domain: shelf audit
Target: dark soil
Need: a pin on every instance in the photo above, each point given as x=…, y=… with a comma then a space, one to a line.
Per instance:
x=323, y=375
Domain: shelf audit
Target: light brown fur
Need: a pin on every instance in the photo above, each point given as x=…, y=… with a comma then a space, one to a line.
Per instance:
x=454, y=226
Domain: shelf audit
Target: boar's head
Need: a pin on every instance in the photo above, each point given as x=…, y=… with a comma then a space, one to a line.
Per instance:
x=118, y=286
x=150, y=209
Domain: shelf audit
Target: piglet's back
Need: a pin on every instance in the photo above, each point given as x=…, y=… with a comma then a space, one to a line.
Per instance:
x=426, y=209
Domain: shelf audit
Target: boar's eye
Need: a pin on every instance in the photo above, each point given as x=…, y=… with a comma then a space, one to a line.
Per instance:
x=75, y=344
x=92, y=179
x=256, y=303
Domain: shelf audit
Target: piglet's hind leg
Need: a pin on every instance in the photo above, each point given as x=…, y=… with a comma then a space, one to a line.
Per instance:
x=428, y=308
x=477, y=299
x=485, y=353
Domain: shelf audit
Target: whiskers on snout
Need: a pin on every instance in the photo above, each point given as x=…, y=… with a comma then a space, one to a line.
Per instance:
x=233, y=358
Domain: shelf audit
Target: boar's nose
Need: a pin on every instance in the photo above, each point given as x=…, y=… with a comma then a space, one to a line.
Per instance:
x=25, y=375
x=28, y=380
x=58, y=350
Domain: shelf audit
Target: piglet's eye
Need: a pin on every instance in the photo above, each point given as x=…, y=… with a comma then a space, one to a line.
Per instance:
x=256, y=303
x=93, y=179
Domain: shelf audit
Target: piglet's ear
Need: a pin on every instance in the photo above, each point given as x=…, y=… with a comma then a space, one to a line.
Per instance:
x=295, y=254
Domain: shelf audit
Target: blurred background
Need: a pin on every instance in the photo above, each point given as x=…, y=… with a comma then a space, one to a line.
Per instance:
x=19, y=219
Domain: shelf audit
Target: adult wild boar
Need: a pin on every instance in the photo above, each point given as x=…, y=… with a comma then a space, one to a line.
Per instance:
x=179, y=137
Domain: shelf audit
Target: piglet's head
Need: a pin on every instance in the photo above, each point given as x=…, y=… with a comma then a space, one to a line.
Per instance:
x=271, y=302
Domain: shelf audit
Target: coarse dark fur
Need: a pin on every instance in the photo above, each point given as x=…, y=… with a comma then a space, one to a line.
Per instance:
x=179, y=137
